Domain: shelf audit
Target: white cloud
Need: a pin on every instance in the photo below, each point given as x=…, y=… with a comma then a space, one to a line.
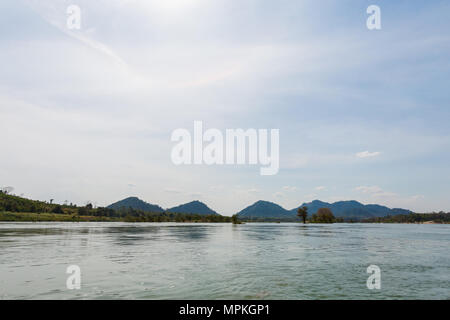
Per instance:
x=369, y=189
x=320, y=188
x=367, y=154
x=390, y=199
x=376, y=192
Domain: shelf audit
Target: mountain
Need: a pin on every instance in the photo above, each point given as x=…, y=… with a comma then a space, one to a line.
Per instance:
x=137, y=204
x=264, y=209
x=194, y=207
x=351, y=209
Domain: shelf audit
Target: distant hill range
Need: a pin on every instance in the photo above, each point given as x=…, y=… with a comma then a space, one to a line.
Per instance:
x=135, y=203
x=344, y=209
x=269, y=210
x=194, y=207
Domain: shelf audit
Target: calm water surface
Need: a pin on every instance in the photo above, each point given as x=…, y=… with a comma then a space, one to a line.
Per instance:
x=222, y=261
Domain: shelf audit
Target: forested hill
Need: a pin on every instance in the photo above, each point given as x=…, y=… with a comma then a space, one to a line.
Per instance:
x=196, y=207
x=135, y=203
x=14, y=203
x=352, y=209
x=265, y=209
x=341, y=209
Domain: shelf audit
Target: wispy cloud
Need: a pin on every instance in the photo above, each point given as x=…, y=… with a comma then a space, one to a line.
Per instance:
x=375, y=193
x=369, y=189
x=367, y=154
x=54, y=13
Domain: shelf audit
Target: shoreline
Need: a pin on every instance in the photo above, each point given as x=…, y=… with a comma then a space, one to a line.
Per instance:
x=54, y=217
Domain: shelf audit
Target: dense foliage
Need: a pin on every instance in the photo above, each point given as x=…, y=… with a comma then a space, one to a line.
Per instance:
x=17, y=204
x=132, y=215
x=323, y=215
x=440, y=217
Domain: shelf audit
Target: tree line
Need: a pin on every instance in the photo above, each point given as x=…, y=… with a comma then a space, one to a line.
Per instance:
x=13, y=203
x=323, y=215
x=436, y=217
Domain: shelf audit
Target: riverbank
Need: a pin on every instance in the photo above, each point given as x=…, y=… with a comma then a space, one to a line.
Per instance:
x=58, y=217
x=61, y=217
x=50, y=217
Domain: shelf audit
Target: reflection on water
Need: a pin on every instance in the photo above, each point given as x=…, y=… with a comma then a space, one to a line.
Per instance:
x=223, y=261
x=192, y=233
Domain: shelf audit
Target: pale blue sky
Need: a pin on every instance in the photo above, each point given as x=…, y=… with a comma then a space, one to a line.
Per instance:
x=87, y=115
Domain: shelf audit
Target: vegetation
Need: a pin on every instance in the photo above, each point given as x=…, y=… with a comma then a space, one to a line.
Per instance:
x=235, y=219
x=434, y=217
x=267, y=219
x=14, y=208
x=302, y=212
x=132, y=215
x=17, y=204
x=323, y=215
x=28, y=216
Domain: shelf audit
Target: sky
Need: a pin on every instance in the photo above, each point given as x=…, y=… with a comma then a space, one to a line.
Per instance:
x=87, y=115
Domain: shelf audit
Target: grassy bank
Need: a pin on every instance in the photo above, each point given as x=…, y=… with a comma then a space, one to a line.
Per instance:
x=59, y=217
x=29, y=216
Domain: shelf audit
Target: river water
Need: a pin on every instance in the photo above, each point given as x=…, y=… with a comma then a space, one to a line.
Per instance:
x=223, y=261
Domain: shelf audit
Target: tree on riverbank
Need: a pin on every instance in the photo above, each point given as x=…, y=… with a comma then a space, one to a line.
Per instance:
x=235, y=219
x=323, y=215
x=302, y=212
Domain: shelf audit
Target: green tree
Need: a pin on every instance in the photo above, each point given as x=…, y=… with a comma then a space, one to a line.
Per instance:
x=57, y=209
x=235, y=219
x=83, y=211
x=302, y=212
x=323, y=215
